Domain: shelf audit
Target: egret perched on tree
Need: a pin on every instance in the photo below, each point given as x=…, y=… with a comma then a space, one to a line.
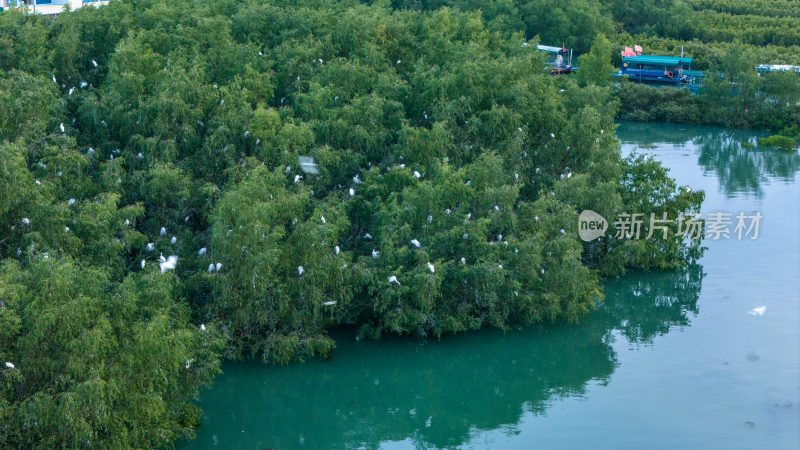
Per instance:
x=218, y=266
x=201, y=252
x=163, y=231
x=430, y=267
x=393, y=279
x=356, y=180
x=26, y=221
x=352, y=192
x=71, y=90
x=336, y=249
x=430, y=219
x=61, y=127
x=417, y=174
x=94, y=63
x=54, y=79
x=211, y=267
x=71, y=202
x=297, y=178
x=416, y=243
x=322, y=218
x=9, y=365
x=300, y=270
x=202, y=327
x=173, y=240
x=375, y=253
x=169, y=264
x=331, y=303
x=463, y=260
x=83, y=84
x=367, y=236
x=150, y=247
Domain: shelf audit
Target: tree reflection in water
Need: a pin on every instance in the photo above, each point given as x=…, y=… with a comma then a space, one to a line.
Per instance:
x=437, y=393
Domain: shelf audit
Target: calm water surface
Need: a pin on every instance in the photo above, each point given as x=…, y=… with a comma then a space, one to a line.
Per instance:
x=668, y=361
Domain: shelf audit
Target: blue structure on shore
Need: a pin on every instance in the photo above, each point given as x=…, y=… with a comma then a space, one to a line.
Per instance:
x=670, y=70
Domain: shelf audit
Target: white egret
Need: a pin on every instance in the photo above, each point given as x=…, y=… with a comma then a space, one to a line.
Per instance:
x=562, y=231
x=336, y=249
x=356, y=180
x=398, y=62
x=94, y=63
x=430, y=219
x=300, y=270
x=201, y=252
x=297, y=178
x=163, y=231
x=322, y=218
x=54, y=79
x=352, y=192
x=552, y=135
x=468, y=182
x=139, y=155
x=127, y=222
x=71, y=202
x=66, y=229
x=417, y=174
x=499, y=237
x=189, y=362
x=169, y=264
x=9, y=365
x=463, y=260
x=26, y=221
x=431, y=268
x=211, y=267
x=496, y=208
x=142, y=264
x=499, y=266
x=150, y=247
x=758, y=311
x=331, y=303
x=71, y=90
x=202, y=327
x=218, y=266
x=393, y=279
x=367, y=236
x=465, y=236
x=448, y=211
x=416, y=243
x=375, y=253
x=83, y=84
x=61, y=127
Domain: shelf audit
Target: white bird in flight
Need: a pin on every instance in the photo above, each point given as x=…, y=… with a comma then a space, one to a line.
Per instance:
x=169, y=264
x=758, y=311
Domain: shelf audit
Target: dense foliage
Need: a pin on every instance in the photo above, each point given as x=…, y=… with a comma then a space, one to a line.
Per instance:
x=451, y=166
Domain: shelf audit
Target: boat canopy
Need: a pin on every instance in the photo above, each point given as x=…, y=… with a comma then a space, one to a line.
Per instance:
x=653, y=59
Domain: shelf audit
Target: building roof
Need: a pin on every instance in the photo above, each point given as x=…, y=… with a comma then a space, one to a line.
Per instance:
x=653, y=59
x=548, y=48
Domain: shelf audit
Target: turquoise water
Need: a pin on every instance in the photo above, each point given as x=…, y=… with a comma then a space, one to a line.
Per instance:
x=670, y=360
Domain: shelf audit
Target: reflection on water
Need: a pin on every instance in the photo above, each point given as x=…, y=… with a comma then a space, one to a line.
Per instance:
x=720, y=153
x=437, y=393
x=658, y=364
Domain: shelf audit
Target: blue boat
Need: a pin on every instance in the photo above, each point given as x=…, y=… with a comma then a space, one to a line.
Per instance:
x=670, y=70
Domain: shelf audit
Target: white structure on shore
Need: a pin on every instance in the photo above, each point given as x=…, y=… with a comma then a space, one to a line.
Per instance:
x=49, y=7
